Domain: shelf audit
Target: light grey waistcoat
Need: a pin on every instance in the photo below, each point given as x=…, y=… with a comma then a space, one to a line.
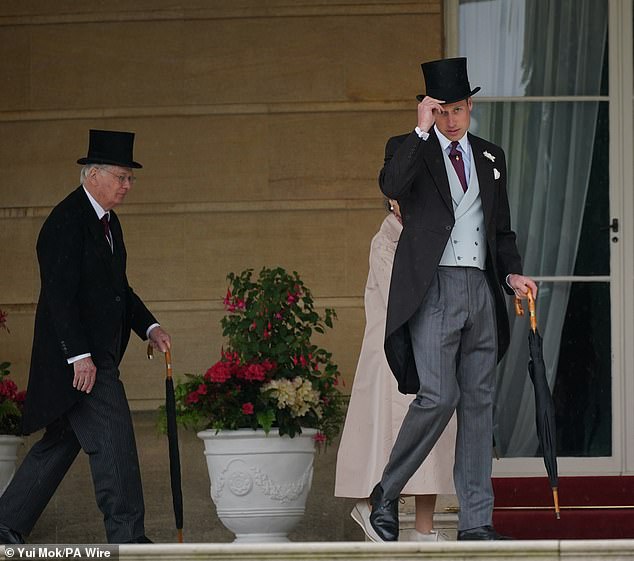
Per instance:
x=467, y=243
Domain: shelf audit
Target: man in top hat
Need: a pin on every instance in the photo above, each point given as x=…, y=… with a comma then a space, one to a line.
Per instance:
x=447, y=324
x=84, y=316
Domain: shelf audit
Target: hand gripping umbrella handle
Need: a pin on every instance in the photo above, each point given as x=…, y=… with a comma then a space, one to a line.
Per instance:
x=519, y=310
x=168, y=359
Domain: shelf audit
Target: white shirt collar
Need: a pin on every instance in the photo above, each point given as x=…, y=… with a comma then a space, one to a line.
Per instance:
x=445, y=142
x=98, y=208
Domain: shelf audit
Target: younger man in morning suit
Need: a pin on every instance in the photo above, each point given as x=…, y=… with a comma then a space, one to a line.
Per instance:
x=84, y=316
x=446, y=321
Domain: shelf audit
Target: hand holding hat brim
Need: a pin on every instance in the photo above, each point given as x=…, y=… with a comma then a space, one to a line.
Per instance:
x=426, y=109
x=420, y=97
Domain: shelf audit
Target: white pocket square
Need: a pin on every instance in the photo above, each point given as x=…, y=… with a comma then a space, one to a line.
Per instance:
x=496, y=174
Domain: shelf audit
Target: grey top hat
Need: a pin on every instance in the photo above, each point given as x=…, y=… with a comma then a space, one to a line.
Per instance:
x=110, y=147
x=446, y=79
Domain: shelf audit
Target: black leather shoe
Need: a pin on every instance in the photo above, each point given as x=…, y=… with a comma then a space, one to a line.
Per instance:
x=141, y=539
x=384, y=515
x=8, y=536
x=480, y=533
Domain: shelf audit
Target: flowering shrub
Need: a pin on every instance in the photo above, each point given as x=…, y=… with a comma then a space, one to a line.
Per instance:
x=11, y=400
x=270, y=374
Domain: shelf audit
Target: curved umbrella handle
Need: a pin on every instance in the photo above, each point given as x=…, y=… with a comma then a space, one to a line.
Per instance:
x=168, y=359
x=168, y=364
x=531, y=310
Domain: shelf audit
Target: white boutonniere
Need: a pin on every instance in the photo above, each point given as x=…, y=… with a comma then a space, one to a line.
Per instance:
x=489, y=156
x=496, y=174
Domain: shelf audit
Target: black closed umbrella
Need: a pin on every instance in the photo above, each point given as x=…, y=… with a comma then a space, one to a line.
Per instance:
x=172, y=440
x=544, y=406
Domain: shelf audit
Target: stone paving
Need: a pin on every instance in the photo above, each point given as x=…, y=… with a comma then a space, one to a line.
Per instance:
x=72, y=515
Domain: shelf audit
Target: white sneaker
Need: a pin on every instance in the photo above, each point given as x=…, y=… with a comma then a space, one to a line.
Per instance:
x=361, y=515
x=433, y=536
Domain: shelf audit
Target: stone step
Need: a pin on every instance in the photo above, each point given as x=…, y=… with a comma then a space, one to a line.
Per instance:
x=546, y=550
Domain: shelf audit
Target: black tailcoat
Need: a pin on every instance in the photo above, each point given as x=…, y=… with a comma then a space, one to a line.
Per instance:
x=85, y=306
x=414, y=174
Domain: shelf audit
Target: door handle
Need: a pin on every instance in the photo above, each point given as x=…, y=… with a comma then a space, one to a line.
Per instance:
x=614, y=226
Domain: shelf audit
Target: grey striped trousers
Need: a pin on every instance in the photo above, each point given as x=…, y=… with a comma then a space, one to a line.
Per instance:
x=454, y=338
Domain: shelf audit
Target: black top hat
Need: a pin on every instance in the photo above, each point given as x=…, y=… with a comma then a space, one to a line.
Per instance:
x=447, y=80
x=110, y=147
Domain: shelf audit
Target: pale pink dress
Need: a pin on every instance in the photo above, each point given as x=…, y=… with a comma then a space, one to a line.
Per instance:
x=376, y=407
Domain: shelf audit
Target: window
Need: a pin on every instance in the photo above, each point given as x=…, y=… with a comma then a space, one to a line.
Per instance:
x=543, y=68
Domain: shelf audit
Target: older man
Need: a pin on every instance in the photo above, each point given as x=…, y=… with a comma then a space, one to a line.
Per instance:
x=85, y=313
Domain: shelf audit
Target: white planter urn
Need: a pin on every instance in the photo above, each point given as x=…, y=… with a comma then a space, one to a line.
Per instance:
x=8, y=458
x=259, y=483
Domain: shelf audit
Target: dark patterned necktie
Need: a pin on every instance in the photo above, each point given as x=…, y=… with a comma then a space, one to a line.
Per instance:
x=105, y=221
x=456, y=159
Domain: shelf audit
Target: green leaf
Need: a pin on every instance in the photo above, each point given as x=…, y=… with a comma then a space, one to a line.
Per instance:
x=266, y=419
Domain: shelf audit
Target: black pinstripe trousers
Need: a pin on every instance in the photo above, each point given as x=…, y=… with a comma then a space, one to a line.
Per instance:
x=100, y=424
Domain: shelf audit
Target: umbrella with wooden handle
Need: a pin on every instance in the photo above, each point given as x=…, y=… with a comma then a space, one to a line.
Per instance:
x=544, y=405
x=172, y=440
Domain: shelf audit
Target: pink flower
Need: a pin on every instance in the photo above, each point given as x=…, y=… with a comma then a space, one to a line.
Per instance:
x=191, y=398
x=247, y=408
x=202, y=389
x=232, y=303
x=268, y=365
x=219, y=372
x=8, y=389
x=227, y=301
x=290, y=299
x=278, y=315
x=255, y=372
x=230, y=356
x=320, y=437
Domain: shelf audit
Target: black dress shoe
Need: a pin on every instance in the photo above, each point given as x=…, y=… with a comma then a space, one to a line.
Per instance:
x=480, y=533
x=384, y=515
x=8, y=536
x=141, y=539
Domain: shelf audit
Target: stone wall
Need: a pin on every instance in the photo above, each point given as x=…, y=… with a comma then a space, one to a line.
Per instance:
x=261, y=126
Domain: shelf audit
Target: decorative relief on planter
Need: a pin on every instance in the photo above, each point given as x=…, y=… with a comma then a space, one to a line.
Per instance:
x=239, y=482
x=286, y=492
